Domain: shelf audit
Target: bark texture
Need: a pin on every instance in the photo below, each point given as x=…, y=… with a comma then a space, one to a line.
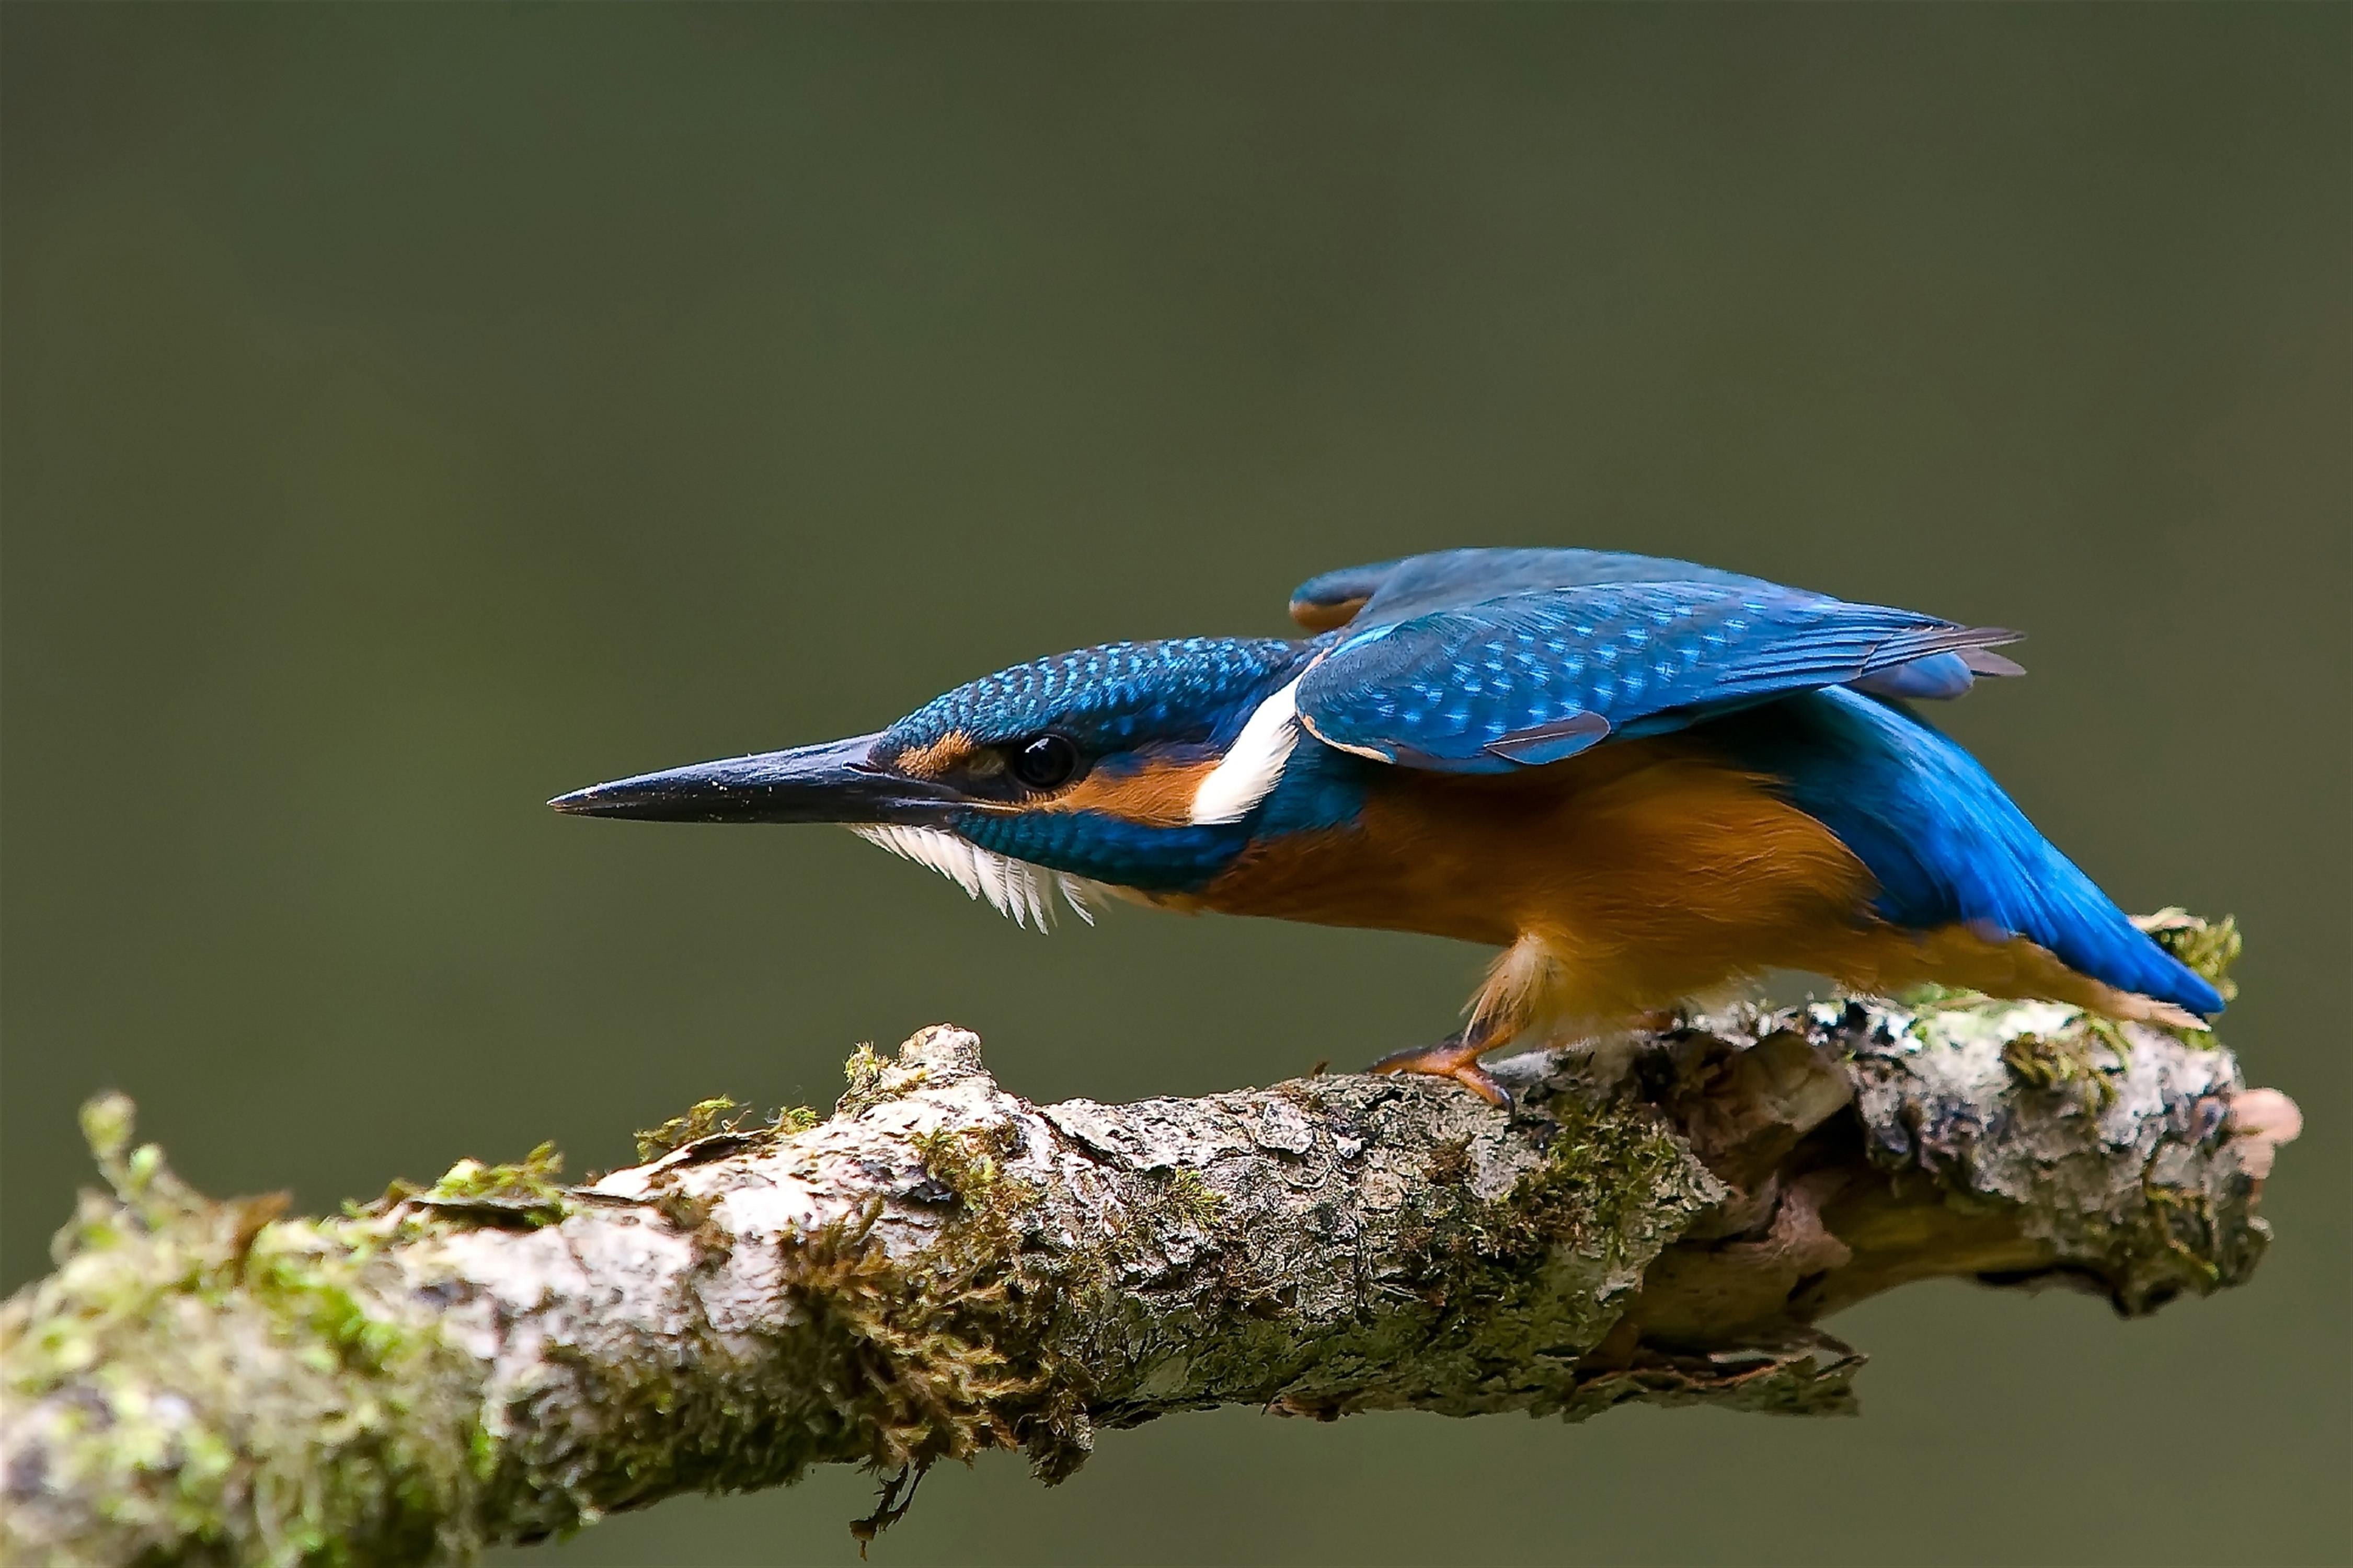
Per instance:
x=943, y=1267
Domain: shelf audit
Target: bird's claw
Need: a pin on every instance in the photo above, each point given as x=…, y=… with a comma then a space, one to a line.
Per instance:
x=1456, y=1058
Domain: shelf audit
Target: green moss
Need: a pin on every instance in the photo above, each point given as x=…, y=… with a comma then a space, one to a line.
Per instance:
x=1192, y=1201
x=522, y=1195
x=241, y=1381
x=353, y=1433
x=533, y=1179
x=2208, y=948
x=684, y=1212
x=1929, y=998
x=2065, y=1061
x=864, y=1071
x=1615, y=1184
x=895, y=1361
x=964, y=1160
x=719, y=1117
x=964, y=1157
x=702, y=1120
x=2182, y=1223
x=909, y=1354
x=1450, y=1161
x=1600, y=1186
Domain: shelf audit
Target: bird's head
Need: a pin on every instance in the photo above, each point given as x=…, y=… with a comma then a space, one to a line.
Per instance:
x=1135, y=766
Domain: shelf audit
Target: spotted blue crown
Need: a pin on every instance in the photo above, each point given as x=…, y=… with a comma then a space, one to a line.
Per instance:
x=1113, y=696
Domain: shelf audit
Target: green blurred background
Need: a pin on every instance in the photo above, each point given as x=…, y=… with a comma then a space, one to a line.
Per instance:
x=410, y=412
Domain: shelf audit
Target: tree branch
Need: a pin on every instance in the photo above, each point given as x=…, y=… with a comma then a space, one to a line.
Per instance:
x=943, y=1267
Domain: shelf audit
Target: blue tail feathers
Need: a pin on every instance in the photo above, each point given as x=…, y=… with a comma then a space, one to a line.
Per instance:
x=1943, y=841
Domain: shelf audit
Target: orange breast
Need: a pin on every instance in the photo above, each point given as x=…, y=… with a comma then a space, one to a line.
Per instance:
x=1621, y=882
x=1647, y=871
x=1640, y=836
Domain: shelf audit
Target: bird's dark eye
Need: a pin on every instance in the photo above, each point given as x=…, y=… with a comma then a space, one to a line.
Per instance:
x=1043, y=762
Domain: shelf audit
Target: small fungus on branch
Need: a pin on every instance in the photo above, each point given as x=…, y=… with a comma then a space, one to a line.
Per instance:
x=941, y=1268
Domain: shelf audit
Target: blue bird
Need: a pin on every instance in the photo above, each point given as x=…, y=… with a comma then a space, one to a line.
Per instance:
x=1641, y=779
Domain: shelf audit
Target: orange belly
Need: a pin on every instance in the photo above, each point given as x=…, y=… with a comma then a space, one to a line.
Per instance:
x=1620, y=883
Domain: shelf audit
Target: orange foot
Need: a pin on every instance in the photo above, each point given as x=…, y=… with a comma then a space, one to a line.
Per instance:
x=1457, y=1059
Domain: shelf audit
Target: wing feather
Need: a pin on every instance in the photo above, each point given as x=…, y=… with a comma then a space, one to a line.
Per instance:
x=1389, y=592
x=1533, y=677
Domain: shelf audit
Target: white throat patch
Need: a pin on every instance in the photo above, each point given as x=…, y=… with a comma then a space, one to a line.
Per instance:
x=1016, y=886
x=1253, y=764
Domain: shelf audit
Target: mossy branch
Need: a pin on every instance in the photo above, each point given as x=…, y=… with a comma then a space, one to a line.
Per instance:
x=943, y=1267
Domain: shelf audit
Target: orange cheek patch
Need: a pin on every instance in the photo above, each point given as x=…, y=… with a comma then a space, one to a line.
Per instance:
x=1158, y=795
x=938, y=759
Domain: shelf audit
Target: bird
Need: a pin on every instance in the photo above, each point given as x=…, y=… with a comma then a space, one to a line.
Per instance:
x=1642, y=781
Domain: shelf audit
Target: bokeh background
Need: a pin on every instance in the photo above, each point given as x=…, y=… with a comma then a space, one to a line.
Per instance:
x=410, y=412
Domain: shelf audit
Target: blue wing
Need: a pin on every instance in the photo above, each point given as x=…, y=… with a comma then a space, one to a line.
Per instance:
x=1385, y=593
x=1535, y=677
x=1944, y=843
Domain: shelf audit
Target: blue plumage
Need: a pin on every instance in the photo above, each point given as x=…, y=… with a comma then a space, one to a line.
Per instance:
x=1533, y=677
x=1642, y=776
x=1116, y=694
x=1103, y=846
x=1490, y=660
x=1392, y=591
x=1385, y=593
x=1946, y=844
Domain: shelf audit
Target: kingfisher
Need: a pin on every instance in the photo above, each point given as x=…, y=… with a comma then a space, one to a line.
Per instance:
x=1644, y=781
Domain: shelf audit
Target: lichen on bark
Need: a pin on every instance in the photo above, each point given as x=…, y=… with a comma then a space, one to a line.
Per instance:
x=941, y=1269
x=213, y=1381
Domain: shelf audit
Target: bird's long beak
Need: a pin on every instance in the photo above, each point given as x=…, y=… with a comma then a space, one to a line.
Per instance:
x=837, y=782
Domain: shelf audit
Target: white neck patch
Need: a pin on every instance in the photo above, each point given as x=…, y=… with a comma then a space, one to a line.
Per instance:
x=1016, y=886
x=1253, y=764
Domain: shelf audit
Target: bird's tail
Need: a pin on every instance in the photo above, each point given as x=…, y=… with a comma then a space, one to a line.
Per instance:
x=1949, y=848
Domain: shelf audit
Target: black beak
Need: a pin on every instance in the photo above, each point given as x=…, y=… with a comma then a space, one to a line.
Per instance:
x=837, y=782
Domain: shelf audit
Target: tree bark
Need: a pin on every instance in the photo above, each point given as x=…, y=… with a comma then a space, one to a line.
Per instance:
x=943, y=1267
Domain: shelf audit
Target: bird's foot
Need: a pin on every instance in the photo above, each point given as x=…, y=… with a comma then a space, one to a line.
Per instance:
x=1457, y=1059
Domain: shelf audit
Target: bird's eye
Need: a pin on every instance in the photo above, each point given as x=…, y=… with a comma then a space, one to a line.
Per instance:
x=1043, y=762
